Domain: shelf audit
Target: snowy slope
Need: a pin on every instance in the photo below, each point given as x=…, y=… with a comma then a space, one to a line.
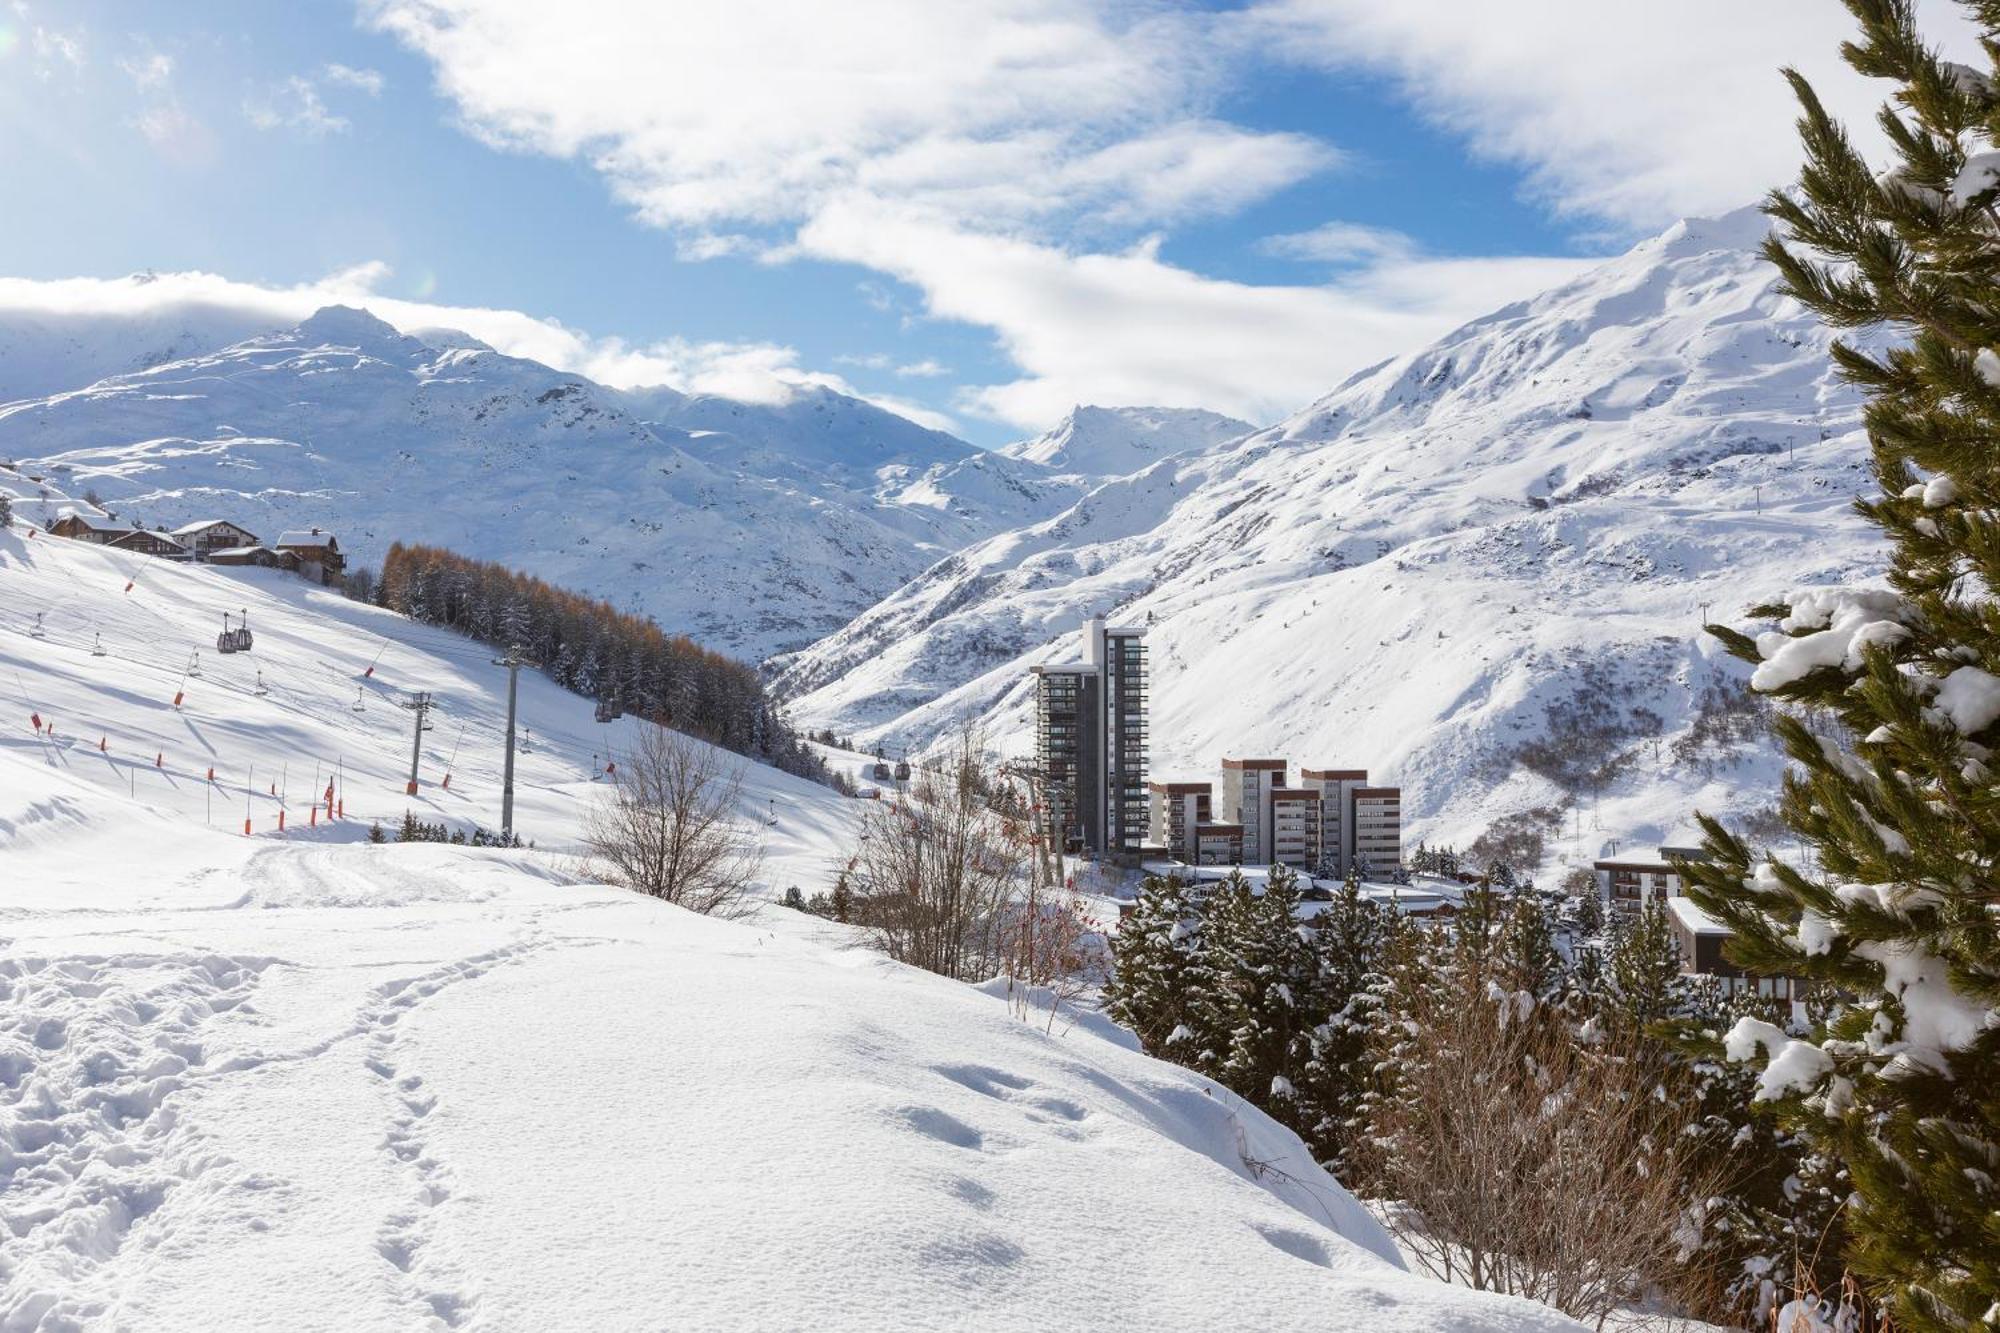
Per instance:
x=1452, y=554
x=47, y=351
x=751, y=527
x=303, y=1082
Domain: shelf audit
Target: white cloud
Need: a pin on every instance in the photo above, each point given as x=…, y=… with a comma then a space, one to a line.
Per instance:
x=1341, y=243
x=295, y=103
x=365, y=80
x=1002, y=113
x=966, y=150
x=52, y=45
x=926, y=369
x=754, y=371
x=1130, y=328
x=150, y=72
x=1633, y=113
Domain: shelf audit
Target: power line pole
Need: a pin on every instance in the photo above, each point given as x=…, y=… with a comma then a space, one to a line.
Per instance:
x=420, y=704
x=513, y=661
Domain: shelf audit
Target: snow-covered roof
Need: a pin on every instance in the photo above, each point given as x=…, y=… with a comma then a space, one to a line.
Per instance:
x=166, y=537
x=305, y=539
x=92, y=521
x=1691, y=916
x=188, y=528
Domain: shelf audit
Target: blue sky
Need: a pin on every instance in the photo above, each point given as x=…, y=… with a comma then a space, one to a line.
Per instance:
x=977, y=221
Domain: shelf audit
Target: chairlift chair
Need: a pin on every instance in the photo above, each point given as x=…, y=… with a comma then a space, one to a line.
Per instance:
x=97, y=644
x=261, y=688
x=225, y=642
x=358, y=706
x=35, y=631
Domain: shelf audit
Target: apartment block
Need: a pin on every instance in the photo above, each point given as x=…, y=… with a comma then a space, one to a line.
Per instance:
x=1378, y=829
x=1178, y=810
x=1295, y=825
x=1218, y=844
x=1090, y=742
x=1625, y=885
x=1245, y=799
x=1336, y=788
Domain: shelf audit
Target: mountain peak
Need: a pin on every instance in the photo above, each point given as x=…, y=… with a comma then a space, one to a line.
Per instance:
x=1115, y=441
x=347, y=326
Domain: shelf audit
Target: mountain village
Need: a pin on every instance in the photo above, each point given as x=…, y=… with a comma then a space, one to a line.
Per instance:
x=756, y=817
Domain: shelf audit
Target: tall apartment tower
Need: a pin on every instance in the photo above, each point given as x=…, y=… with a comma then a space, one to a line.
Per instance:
x=1245, y=799
x=1090, y=740
x=1179, y=811
x=1378, y=828
x=1336, y=788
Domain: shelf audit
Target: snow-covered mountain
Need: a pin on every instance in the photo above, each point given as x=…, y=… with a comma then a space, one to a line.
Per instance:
x=1102, y=442
x=752, y=527
x=1477, y=570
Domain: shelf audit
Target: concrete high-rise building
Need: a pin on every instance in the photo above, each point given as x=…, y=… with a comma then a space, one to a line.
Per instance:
x=1336, y=788
x=1178, y=810
x=1295, y=824
x=1245, y=799
x=1090, y=740
x=1378, y=828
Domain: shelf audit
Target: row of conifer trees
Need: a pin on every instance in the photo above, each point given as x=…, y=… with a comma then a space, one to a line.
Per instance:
x=625, y=661
x=1320, y=1023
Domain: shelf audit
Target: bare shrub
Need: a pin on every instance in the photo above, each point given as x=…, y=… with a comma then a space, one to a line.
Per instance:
x=1516, y=841
x=1728, y=715
x=1050, y=950
x=1582, y=745
x=1524, y=1162
x=938, y=871
x=668, y=827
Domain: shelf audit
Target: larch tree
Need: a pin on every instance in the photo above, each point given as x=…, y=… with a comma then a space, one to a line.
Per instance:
x=1895, y=786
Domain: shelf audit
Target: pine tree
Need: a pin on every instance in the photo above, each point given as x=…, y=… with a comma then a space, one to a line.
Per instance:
x=1898, y=800
x=1643, y=968
x=1152, y=954
x=1347, y=947
x=6, y=511
x=1274, y=996
x=1528, y=961
x=1216, y=976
